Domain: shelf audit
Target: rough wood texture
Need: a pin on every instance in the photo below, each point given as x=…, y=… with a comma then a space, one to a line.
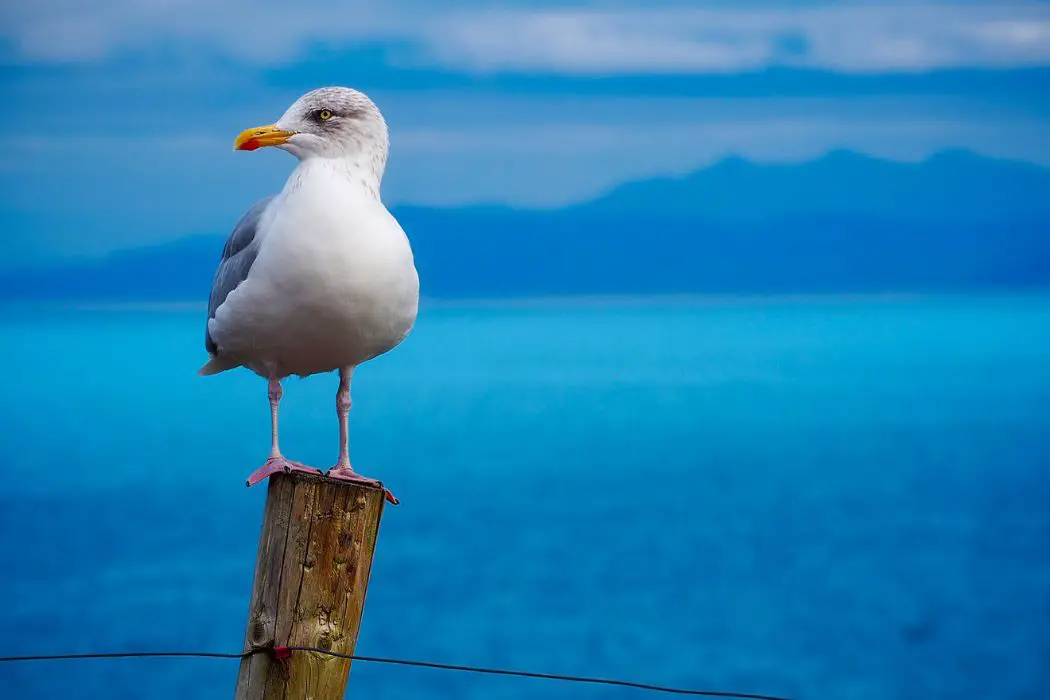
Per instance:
x=311, y=575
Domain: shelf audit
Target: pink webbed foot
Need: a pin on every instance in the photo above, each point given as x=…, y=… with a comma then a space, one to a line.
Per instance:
x=348, y=474
x=276, y=465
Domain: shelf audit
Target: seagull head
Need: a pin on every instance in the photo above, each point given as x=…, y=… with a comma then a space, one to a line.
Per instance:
x=330, y=122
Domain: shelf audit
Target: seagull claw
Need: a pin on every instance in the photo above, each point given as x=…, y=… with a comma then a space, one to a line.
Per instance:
x=279, y=464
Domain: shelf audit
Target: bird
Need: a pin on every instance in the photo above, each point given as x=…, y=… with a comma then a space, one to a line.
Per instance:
x=320, y=277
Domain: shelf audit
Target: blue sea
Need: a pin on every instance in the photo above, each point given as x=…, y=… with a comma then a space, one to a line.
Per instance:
x=837, y=498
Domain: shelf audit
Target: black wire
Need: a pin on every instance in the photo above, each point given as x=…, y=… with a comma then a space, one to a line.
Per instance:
x=548, y=676
x=127, y=655
x=399, y=662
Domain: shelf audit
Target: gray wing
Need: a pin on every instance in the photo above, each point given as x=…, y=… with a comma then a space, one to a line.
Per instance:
x=237, y=258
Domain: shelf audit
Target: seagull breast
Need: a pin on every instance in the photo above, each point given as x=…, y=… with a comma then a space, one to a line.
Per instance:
x=334, y=283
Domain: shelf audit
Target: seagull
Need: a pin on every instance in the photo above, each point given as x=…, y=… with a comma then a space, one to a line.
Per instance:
x=320, y=277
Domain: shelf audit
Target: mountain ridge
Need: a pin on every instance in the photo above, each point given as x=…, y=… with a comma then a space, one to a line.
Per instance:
x=845, y=222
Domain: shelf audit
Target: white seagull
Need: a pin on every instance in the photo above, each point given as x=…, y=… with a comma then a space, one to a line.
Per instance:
x=320, y=277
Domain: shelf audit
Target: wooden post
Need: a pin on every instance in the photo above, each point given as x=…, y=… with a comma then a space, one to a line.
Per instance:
x=311, y=575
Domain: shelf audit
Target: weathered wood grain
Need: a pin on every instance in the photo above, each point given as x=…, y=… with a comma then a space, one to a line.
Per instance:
x=315, y=556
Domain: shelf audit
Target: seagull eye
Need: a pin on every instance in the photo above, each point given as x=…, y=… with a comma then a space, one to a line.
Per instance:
x=324, y=115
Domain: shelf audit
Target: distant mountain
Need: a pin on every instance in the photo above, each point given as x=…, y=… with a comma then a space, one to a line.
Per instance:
x=844, y=223
x=949, y=187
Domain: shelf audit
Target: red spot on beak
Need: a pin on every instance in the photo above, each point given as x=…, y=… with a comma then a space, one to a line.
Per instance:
x=249, y=145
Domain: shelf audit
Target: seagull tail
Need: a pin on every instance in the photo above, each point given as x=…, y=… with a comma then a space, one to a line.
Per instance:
x=215, y=365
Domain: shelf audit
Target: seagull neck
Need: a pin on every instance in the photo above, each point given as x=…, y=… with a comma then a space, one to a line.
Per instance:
x=362, y=172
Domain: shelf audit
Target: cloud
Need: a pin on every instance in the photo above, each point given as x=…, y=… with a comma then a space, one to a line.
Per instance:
x=642, y=38
x=257, y=31
x=848, y=38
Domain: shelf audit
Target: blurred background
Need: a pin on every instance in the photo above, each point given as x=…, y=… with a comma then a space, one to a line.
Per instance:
x=732, y=370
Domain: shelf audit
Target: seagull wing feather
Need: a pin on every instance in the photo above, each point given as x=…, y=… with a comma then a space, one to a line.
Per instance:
x=238, y=255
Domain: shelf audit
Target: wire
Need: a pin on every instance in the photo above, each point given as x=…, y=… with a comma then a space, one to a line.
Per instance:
x=128, y=655
x=548, y=676
x=270, y=650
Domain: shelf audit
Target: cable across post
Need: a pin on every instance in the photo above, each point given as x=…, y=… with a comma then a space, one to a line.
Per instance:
x=281, y=654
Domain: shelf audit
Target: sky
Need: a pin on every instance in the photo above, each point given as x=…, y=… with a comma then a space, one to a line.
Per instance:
x=119, y=114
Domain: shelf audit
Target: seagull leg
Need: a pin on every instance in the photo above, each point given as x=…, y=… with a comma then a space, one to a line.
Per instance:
x=276, y=462
x=342, y=469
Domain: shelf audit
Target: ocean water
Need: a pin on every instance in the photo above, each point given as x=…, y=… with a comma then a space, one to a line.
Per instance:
x=837, y=498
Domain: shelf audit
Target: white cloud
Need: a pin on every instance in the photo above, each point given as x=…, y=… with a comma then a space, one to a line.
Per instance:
x=844, y=37
x=257, y=31
x=643, y=38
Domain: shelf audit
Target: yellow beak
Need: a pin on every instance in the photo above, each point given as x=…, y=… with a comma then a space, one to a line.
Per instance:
x=260, y=136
